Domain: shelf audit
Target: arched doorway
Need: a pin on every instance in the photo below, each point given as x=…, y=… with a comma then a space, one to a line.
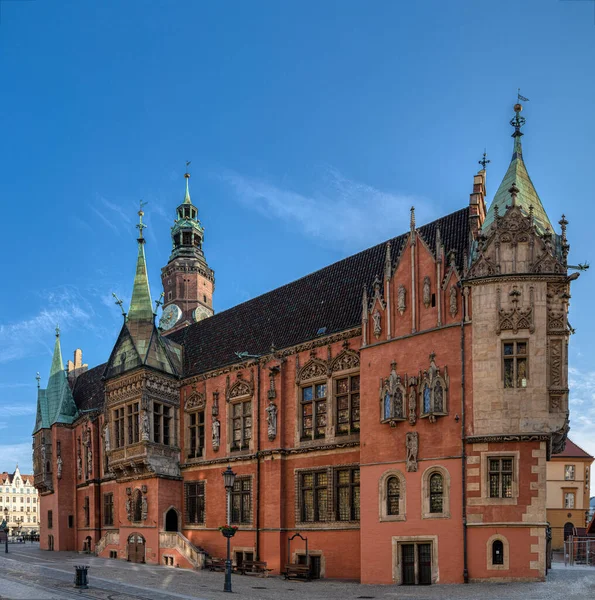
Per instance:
x=87, y=544
x=171, y=520
x=136, y=548
x=568, y=530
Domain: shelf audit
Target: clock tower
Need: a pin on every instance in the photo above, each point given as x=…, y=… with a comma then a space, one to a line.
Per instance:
x=188, y=281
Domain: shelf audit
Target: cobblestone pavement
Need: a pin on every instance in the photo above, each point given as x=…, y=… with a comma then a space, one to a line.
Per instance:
x=30, y=574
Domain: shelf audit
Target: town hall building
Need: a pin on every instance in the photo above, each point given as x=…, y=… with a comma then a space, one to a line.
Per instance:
x=396, y=409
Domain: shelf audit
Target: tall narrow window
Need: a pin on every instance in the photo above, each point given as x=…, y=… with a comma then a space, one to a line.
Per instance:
x=314, y=496
x=133, y=423
x=497, y=552
x=196, y=424
x=500, y=477
x=241, y=425
x=119, y=439
x=393, y=495
x=313, y=407
x=195, y=502
x=515, y=364
x=241, y=501
x=347, y=490
x=86, y=511
x=50, y=519
x=161, y=423
x=436, y=493
x=347, y=398
x=108, y=509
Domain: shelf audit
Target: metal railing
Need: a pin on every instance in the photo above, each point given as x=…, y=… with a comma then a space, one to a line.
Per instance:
x=579, y=551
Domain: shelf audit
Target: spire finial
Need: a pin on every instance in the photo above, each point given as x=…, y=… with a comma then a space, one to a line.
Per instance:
x=141, y=225
x=513, y=190
x=57, y=331
x=38, y=377
x=484, y=161
x=412, y=219
x=187, y=177
x=119, y=303
x=517, y=121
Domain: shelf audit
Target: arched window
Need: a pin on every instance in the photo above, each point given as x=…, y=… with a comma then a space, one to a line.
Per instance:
x=393, y=495
x=436, y=493
x=427, y=400
x=497, y=552
x=387, y=406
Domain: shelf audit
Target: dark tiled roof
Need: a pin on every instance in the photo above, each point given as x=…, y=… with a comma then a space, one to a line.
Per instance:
x=571, y=450
x=88, y=388
x=294, y=313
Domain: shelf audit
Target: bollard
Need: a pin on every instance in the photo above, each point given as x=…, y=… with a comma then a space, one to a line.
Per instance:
x=80, y=577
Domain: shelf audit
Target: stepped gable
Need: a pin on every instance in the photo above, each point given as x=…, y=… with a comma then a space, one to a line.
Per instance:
x=88, y=389
x=293, y=313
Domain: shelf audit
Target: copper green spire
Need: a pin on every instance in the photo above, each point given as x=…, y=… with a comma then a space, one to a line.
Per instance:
x=187, y=177
x=141, y=307
x=517, y=175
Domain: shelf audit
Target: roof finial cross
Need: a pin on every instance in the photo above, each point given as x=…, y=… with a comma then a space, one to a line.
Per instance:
x=57, y=331
x=119, y=303
x=159, y=302
x=38, y=377
x=141, y=213
x=484, y=161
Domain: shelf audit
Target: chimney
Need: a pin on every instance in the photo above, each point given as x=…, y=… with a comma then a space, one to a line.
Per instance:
x=477, y=204
x=77, y=367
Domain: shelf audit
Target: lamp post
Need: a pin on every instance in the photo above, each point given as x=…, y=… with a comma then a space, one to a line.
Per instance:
x=229, y=478
x=6, y=530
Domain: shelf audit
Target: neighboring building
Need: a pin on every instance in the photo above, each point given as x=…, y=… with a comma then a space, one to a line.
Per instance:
x=568, y=486
x=429, y=372
x=19, y=503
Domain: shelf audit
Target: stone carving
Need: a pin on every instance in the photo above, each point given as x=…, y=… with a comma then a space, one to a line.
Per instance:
x=271, y=411
x=89, y=462
x=376, y=317
x=412, y=402
x=216, y=433
x=453, y=301
x=59, y=464
x=427, y=292
x=432, y=390
x=146, y=427
x=401, y=295
x=556, y=377
x=129, y=508
x=346, y=360
x=556, y=403
x=272, y=392
x=312, y=369
x=241, y=388
x=392, y=397
x=515, y=318
x=412, y=446
x=79, y=466
x=144, y=508
x=559, y=437
x=215, y=408
x=106, y=438
x=195, y=400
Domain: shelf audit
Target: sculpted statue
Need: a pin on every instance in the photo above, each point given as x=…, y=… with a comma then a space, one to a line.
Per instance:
x=377, y=317
x=59, y=463
x=79, y=466
x=146, y=429
x=129, y=508
x=216, y=431
x=411, y=443
x=453, y=301
x=89, y=462
x=144, y=508
x=271, y=411
x=106, y=437
x=401, y=299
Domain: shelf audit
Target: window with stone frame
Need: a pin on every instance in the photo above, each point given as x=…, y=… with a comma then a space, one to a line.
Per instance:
x=433, y=387
x=108, y=509
x=241, y=501
x=436, y=493
x=119, y=439
x=500, y=476
x=497, y=552
x=162, y=417
x=569, y=500
x=313, y=407
x=196, y=433
x=241, y=424
x=569, y=472
x=314, y=496
x=347, y=494
x=347, y=401
x=194, y=495
x=515, y=363
x=133, y=422
x=393, y=496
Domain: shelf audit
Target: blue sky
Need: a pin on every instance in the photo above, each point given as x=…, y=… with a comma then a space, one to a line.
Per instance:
x=311, y=127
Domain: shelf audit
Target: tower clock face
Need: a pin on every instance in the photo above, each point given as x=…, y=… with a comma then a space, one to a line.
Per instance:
x=170, y=316
x=201, y=312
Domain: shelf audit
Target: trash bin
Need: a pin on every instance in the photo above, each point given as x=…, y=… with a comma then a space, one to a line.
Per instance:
x=80, y=577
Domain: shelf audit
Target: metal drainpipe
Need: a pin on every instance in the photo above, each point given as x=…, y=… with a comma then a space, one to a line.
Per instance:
x=257, y=476
x=464, y=455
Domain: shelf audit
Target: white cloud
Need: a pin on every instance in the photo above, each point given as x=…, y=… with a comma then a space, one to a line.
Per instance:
x=17, y=410
x=13, y=454
x=343, y=212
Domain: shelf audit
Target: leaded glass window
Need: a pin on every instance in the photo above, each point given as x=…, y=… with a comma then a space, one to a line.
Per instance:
x=427, y=399
x=514, y=356
x=133, y=422
x=241, y=424
x=119, y=439
x=436, y=493
x=500, y=477
x=195, y=501
x=438, y=397
x=393, y=495
x=313, y=403
x=314, y=496
x=398, y=404
x=347, y=398
x=347, y=494
x=241, y=501
x=196, y=429
x=387, y=406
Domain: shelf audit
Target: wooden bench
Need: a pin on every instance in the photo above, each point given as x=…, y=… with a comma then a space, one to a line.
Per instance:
x=217, y=564
x=254, y=567
x=297, y=572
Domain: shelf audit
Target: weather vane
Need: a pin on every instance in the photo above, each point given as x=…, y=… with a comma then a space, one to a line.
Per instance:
x=159, y=302
x=38, y=377
x=57, y=330
x=119, y=303
x=484, y=161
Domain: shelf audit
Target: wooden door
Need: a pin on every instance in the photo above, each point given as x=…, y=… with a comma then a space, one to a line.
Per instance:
x=424, y=560
x=408, y=564
x=136, y=548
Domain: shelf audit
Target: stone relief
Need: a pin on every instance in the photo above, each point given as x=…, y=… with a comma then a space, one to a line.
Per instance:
x=79, y=466
x=215, y=407
x=376, y=318
x=401, y=295
x=271, y=411
x=195, y=400
x=146, y=427
x=556, y=364
x=412, y=446
x=312, y=369
x=412, y=401
x=427, y=292
x=216, y=433
x=454, y=308
x=515, y=318
x=345, y=361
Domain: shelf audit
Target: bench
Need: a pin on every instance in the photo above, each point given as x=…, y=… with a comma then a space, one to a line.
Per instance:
x=254, y=567
x=217, y=564
x=297, y=572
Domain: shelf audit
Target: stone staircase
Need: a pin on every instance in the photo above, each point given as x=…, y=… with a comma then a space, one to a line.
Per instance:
x=110, y=537
x=174, y=539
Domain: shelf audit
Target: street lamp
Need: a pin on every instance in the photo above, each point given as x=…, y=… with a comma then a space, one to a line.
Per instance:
x=6, y=530
x=229, y=478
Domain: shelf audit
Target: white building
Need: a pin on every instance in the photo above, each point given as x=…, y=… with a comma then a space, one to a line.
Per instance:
x=19, y=502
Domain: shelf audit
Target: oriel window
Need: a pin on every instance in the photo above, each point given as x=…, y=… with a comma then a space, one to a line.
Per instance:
x=347, y=399
x=196, y=424
x=133, y=423
x=161, y=423
x=515, y=364
x=119, y=439
x=241, y=501
x=241, y=425
x=313, y=409
x=500, y=477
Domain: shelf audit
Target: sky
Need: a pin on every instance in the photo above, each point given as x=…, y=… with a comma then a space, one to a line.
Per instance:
x=311, y=128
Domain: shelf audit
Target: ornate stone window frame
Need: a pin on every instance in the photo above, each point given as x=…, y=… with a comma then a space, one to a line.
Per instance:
x=194, y=404
x=398, y=541
x=485, y=480
x=430, y=379
x=313, y=373
x=506, y=549
x=389, y=387
x=425, y=493
x=383, y=496
x=239, y=392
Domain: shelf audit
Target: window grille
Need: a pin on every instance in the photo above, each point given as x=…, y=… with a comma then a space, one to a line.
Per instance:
x=500, y=477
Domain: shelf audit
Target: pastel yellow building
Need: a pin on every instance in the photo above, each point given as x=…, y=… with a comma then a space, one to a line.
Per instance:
x=19, y=503
x=568, y=482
